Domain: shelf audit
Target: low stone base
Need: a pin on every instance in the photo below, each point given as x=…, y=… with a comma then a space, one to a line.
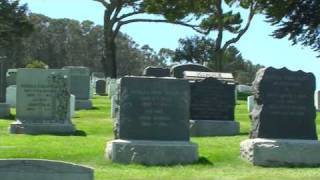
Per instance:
x=83, y=104
x=4, y=110
x=201, y=128
x=152, y=152
x=281, y=152
x=20, y=128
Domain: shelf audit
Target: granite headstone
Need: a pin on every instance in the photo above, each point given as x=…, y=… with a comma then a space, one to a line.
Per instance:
x=11, y=77
x=178, y=70
x=285, y=105
x=43, y=98
x=156, y=72
x=101, y=87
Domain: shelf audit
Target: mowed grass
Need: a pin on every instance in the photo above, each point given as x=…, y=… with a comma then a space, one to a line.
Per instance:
x=219, y=156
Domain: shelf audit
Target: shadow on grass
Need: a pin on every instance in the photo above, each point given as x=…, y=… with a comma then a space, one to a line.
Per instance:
x=243, y=133
x=10, y=117
x=203, y=161
x=76, y=133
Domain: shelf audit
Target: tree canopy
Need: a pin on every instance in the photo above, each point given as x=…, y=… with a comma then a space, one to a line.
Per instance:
x=299, y=20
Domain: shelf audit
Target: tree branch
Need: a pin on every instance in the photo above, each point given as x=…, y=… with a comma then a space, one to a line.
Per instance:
x=103, y=2
x=244, y=30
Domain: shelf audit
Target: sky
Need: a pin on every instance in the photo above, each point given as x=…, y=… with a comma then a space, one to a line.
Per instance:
x=256, y=45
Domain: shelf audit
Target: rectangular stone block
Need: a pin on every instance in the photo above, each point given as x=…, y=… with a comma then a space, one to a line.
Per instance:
x=80, y=81
x=202, y=128
x=281, y=152
x=153, y=109
x=152, y=152
x=3, y=84
x=32, y=169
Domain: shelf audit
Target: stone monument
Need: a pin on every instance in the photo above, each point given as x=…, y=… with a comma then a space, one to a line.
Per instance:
x=80, y=85
x=43, y=98
x=156, y=72
x=101, y=87
x=112, y=86
x=33, y=169
x=178, y=70
x=212, y=104
x=4, y=107
x=317, y=100
x=11, y=77
x=152, y=125
x=283, y=128
x=11, y=94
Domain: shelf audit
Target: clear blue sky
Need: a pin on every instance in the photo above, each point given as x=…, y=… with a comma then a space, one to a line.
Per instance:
x=256, y=45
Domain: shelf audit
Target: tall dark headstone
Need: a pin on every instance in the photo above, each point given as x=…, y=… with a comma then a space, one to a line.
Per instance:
x=101, y=87
x=152, y=122
x=212, y=99
x=3, y=85
x=285, y=105
x=283, y=131
x=156, y=72
x=178, y=70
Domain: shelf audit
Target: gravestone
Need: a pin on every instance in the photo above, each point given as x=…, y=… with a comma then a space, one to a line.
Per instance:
x=178, y=70
x=32, y=169
x=11, y=94
x=11, y=77
x=250, y=103
x=241, y=88
x=283, y=128
x=212, y=108
x=156, y=72
x=4, y=107
x=43, y=102
x=112, y=86
x=72, y=105
x=80, y=85
x=101, y=87
x=152, y=124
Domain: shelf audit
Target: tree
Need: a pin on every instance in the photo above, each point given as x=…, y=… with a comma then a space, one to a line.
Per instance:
x=14, y=26
x=212, y=17
x=117, y=14
x=298, y=20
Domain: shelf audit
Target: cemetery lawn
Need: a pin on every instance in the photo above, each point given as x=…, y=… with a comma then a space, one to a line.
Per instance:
x=219, y=156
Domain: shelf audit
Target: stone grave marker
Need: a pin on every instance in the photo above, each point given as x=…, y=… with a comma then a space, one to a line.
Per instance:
x=101, y=87
x=32, y=169
x=80, y=85
x=43, y=102
x=11, y=94
x=4, y=107
x=156, y=72
x=317, y=100
x=178, y=70
x=152, y=125
x=112, y=86
x=283, y=131
x=11, y=77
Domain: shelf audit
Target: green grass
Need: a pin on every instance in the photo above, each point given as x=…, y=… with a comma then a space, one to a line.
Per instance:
x=219, y=155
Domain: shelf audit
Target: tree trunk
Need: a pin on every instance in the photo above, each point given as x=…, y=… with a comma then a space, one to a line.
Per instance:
x=109, y=59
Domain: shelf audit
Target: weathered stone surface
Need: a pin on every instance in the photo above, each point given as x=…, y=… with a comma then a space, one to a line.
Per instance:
x=244, y=89
x=203, y=128
x=3, y=84
x=11, y=95
x=11, y=77
x=178, y=70
x=156, y=72
x=212, y=99
x=112, y=86
x=285, y=105
x=28, y=169
x=43, y=101
x=72, y=105
x=80, y=81
x=281, y=152
x=153, y=109
x=101, y=87
x=152, y=152
x=195, y=75
x=250, y=103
